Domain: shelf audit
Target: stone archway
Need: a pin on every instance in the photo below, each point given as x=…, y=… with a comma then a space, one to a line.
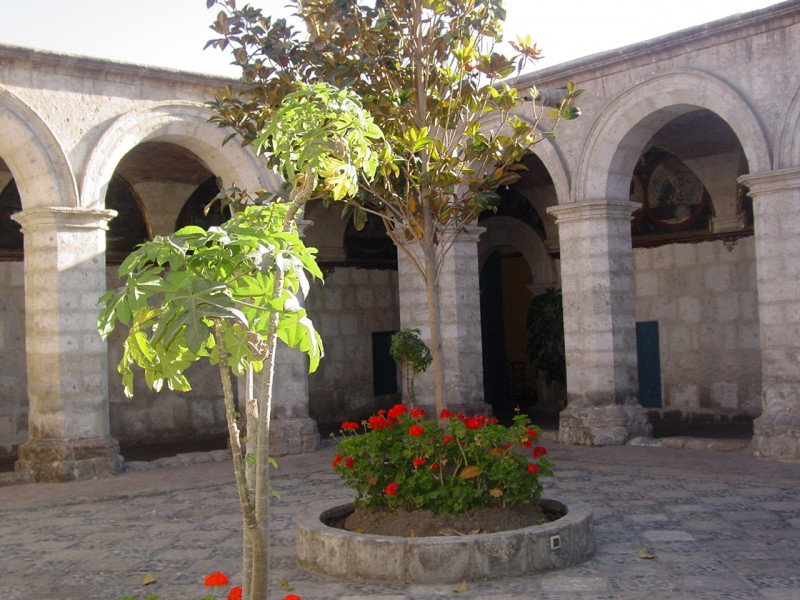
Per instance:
x=187, y=125
x=68, y=432
x=595, y=239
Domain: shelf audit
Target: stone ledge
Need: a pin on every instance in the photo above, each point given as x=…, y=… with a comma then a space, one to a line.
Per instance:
x=335, y=552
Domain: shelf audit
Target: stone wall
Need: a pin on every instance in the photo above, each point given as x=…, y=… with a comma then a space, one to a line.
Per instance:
x=347, y=310
x=705, y=300
x=13, y=388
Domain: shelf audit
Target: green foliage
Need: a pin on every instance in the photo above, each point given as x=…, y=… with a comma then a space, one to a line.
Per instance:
x=409, y=351
x=545, y=322
x=402, y=461
x=429, y=74
x=177, y=287
x=323, y=132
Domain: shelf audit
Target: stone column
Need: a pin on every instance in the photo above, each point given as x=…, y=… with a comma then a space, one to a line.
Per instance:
x=292, y=430
x=460, y=310
x=599, y=324
x=65, y=274
x=776, y=206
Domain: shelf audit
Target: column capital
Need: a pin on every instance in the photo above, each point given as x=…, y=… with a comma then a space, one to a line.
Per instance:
x=62, y=217
x=768, y=182
x=589, y=211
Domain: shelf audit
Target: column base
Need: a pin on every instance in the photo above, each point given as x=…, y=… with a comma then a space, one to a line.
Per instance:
x=48, y=460
x=777, y=435
x=293, y=436
x=602, y=425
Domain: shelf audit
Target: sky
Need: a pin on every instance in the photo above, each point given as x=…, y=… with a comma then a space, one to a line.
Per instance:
x=172, y=33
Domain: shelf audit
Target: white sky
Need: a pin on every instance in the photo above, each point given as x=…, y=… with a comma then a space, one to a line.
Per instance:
x=172, y=33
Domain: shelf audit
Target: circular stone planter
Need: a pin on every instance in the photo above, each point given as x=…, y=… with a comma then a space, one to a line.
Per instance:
x=327, y=550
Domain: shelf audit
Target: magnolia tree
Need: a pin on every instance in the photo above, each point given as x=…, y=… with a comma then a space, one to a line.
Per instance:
x=228, y=294
x=429, y=74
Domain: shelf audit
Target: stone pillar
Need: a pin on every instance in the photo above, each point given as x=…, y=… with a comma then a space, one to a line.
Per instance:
x=292, y=430
x=776, y=206
x=599, y=324
x=460, y=310
x=65, y=274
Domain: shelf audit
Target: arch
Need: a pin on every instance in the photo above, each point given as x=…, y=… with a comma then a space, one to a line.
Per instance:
x=38, y=162
x=184, y=124
x=788, y=149
x=508, y=231
x=618, y=136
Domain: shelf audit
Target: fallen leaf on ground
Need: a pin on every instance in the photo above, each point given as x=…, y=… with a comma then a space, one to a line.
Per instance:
x=148, y=579
x=286, y=586
x=461, y=588
x=645, y=554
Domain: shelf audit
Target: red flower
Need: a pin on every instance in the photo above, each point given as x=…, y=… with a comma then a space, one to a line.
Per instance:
x=235, y=593
x=533, y=433
x=377, y=423
x=445, y=414
x=396, y=411
x=351, y=425
x=447, y=439
x=417, y=413
x=418, y=462
x=349, y=462
x=416, y=430
x=461, y=417
x=392, y=489
x=336, y=460
x=434, y=467
x=475, y=422
x=527, y=443
x=217, y=579
x=533, y=469
x=539, y=452
x=292, y=597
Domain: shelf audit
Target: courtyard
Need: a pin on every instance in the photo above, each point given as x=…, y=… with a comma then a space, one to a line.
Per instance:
x=670, y=523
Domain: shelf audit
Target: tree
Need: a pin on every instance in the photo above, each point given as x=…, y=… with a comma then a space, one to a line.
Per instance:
x=429, y=74
x=228, y=294
x=413, y=356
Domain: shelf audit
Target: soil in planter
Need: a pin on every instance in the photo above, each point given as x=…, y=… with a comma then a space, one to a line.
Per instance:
x=424, y=523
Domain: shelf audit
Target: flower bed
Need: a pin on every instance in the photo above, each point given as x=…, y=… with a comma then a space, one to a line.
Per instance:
x=402, y=462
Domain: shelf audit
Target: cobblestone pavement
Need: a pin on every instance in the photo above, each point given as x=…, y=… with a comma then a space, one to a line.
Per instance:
x=717, y=525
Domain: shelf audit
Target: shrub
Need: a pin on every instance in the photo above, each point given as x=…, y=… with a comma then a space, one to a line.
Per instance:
x=398, y=460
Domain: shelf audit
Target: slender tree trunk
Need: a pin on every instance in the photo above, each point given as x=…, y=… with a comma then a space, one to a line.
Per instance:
x=259, y=580
x=249, y=518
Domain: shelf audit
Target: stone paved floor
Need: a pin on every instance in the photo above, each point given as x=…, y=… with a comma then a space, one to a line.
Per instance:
x=718, y=525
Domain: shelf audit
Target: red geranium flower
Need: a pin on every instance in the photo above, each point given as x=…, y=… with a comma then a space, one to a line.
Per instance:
x=235, y=593
x=445, y=414
x=217, y=579
x=336, y=460
x=527, y=444
x=539, y=452
x=532, y=468
x=396, y=411
x=475, y=422
x=416, y=430
x=434, y=466
x=377, y=423
x=447, y=439
x=292, y=597
x=392, y=489
x=533, y=433
x=417, y=413
x=349, y=462
x=350, y=425
x=418, y=462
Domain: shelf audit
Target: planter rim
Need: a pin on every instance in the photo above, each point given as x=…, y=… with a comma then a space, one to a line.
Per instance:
x=335, y=552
